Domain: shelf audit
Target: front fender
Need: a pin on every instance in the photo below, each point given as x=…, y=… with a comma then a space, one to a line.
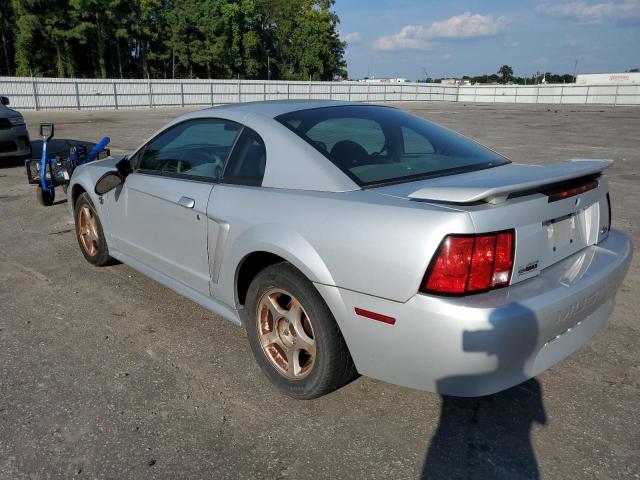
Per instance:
x=78, y=183
x=85, y=177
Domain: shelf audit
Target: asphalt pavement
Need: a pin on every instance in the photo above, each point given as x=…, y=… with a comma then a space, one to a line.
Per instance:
x=106, y=374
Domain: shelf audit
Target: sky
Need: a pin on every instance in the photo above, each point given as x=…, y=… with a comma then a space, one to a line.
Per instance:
x=406, y=38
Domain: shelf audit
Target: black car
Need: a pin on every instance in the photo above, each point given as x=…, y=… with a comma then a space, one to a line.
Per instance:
x=14, y=137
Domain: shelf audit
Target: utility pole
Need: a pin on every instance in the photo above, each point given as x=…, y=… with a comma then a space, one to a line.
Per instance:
x=575, y=71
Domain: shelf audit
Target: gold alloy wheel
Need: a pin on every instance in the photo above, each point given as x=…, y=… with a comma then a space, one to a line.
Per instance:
x=286, y=334
x=88, y=230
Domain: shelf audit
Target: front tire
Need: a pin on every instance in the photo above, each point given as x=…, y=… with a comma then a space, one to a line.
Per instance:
x=89, y=232
x=293, y=335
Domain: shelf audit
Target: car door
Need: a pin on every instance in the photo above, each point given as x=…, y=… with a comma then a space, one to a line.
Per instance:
x=162, y=220
x=233, y=203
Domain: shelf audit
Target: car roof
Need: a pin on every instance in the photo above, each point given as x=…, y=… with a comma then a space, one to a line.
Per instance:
x=310, y=170
x=274, y=108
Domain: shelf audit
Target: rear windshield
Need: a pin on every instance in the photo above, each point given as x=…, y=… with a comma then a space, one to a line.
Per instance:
x=378, y=145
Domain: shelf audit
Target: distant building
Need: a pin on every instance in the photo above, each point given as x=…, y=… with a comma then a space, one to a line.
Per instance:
x=455, y=81
x=384, y=80
x=604, y=78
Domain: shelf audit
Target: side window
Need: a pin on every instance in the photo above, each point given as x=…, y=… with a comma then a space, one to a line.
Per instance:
x=248, y=160
x=194, y=148
x=415, y=144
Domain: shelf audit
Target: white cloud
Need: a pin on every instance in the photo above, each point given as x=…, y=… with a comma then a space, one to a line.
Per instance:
x=409, y=38
x=351, y=37
x=417, y=37
x=466, y=26
x=625, y=10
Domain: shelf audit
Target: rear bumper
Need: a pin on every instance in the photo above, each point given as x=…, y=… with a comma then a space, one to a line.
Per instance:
x=485, y=343
x=14, y=142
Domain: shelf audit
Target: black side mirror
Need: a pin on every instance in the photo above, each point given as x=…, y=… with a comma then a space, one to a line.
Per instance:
x=108, y=182
x=124, y=167
x=4, y=100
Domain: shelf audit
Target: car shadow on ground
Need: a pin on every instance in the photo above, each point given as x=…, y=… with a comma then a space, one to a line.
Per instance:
x=489, y=437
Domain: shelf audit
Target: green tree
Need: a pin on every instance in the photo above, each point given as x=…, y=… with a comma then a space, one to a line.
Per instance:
x=6, y=37
x=26, y=24
x=146, y=23
x=215, y=37
x=42, y=37
x=506, y=74
x=297, y=39
x=97, y=25
x=304, y=40
x=239, y=33
x=184, y=41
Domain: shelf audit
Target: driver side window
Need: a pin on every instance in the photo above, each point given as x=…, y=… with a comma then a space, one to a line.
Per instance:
x=195, y=148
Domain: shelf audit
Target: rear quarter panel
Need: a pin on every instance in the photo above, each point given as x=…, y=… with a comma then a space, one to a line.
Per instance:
x=358, y=240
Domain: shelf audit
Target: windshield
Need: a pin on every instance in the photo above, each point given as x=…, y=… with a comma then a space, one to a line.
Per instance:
x=377, y=145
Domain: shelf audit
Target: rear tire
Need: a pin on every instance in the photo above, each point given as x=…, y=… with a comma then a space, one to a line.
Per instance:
x=89, y=232
x=293, y=335
x=45, y=198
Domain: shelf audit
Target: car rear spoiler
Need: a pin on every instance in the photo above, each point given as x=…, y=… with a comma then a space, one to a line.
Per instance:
x=495, y=185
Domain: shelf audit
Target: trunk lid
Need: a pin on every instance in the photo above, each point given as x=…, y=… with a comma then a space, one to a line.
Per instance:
x=518, y=196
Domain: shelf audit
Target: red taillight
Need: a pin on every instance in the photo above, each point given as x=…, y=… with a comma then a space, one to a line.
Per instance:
x=571, y=191
x=484, y=250
x=451, y=266
x=470, y=264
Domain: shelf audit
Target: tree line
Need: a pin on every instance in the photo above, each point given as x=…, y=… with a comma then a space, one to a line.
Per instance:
x=278, y=39
x=505, y=75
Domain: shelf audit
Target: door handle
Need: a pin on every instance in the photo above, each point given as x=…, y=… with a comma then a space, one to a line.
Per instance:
x=187, y=202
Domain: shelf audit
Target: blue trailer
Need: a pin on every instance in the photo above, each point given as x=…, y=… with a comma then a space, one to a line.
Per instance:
x=51, y=171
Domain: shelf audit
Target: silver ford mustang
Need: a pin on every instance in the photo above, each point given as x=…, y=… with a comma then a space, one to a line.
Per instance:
x=351, y=238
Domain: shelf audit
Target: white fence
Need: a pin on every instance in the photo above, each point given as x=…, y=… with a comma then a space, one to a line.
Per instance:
x=56, y=93
x=572, y=94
